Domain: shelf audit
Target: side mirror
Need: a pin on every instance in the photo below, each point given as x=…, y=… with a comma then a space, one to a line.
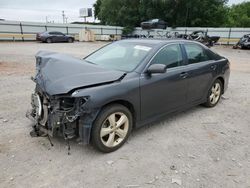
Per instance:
x=157, y=68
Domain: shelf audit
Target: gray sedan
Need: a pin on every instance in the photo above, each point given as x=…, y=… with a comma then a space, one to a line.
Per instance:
x=54, y=36
x=123, y=86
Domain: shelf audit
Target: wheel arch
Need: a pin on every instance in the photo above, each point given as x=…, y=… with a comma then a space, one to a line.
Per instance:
x=50, y=37
x=221, y=78
x=128, y=105
x=222, y=81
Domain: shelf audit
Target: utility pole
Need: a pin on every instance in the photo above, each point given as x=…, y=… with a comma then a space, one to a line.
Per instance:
x=187, y=14
x=63, y=15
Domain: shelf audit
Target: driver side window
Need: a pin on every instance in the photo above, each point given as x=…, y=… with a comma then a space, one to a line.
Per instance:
x=170, y=55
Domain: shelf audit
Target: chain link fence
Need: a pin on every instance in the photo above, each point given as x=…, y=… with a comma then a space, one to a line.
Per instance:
x=26, y=31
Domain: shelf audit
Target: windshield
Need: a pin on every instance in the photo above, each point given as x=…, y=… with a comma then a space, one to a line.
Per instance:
x=155, y=20
x=119, y=56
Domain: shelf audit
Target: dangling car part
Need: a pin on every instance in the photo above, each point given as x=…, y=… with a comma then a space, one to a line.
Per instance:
x=203, y=37
x=244, y=42
x=122, y=86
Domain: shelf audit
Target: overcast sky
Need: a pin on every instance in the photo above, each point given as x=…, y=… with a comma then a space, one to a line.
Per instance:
x=38, y=10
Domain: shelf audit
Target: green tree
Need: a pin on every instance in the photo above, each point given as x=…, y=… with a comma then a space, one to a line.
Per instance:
x=97, y=7
x=239, y=15
x=130, y=13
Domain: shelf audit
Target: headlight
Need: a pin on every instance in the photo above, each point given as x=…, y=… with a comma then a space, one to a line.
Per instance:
x=67, y=103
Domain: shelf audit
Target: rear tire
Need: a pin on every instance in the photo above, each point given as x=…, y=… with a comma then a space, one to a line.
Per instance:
x=49, y=40
x=111, y=128
x=214, y=94
x=70, y=40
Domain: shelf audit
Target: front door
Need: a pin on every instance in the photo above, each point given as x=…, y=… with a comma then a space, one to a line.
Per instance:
x=165, y=92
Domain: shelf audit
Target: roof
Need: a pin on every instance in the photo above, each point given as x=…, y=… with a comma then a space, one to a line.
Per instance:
x=153, y=42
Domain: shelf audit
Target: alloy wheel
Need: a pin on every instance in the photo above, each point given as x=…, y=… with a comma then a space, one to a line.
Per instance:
x=70, y=40
x=215, y=93
x=114, y=129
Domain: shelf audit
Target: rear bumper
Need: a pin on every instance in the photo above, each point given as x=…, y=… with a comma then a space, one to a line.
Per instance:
x=226, y=79
x=39, y=39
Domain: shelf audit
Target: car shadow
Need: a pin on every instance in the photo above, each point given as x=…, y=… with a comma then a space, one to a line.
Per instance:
x=61, y=145
x=165, y=120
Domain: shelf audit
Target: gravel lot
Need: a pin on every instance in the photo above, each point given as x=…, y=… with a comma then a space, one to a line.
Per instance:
x=208, y=147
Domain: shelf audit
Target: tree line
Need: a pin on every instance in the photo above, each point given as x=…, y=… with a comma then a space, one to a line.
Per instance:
x=177, y=13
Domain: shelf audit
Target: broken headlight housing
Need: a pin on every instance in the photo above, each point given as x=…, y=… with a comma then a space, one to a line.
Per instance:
x=67, y=104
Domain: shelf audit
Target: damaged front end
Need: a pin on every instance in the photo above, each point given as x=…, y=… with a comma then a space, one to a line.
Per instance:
x=55, y=110
x=58, y=116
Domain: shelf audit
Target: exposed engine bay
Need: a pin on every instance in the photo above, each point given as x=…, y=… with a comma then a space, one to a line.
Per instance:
x=56, y=116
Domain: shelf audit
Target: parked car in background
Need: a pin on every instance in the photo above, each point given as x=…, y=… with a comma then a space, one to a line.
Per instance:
x=244, y=42
x=123, y=86
x=154, y=24
x=54, y=36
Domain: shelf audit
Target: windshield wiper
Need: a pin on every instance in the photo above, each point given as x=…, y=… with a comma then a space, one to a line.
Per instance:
x=89, y=62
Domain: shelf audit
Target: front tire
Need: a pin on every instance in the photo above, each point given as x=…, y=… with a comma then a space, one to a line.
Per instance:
x=214, y=94
x=111, y=128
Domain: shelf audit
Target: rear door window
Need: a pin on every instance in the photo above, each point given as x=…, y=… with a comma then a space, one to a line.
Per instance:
x=196, y=53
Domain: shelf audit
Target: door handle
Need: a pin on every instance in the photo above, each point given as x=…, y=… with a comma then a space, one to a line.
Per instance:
x=184, y=75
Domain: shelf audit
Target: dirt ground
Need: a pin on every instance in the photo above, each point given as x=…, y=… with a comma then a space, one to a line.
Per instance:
x=209, y=148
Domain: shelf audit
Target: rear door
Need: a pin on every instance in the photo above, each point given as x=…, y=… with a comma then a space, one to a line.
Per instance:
x=201, y=70
x=165, y=92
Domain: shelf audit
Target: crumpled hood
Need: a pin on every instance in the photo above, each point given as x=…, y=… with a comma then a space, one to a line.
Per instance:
x=60, y=73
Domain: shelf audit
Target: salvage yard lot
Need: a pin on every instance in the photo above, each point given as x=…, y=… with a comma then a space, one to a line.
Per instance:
x=208, y=147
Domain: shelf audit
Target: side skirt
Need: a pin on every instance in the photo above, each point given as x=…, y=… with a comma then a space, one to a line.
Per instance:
x=167, y=114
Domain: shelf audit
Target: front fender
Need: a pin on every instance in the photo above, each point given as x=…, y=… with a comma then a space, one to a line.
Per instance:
x=98, y=96
x=127, y=90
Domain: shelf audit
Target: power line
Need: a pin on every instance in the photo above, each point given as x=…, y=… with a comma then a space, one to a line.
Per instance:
x=36, y=9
